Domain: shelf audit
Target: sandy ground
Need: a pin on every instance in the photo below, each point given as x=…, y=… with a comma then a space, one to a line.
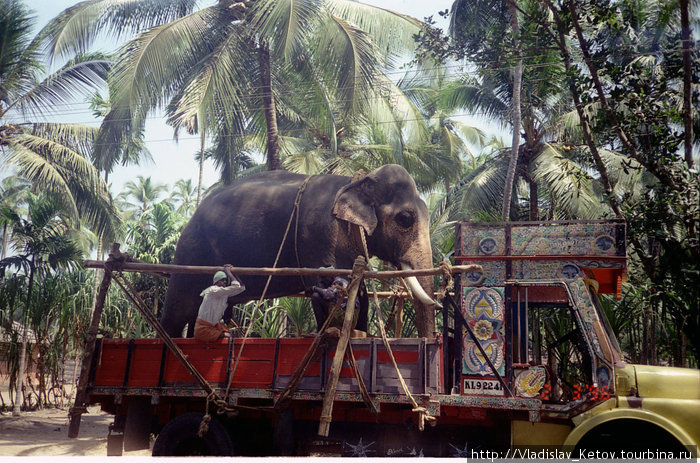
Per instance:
x=45, y=432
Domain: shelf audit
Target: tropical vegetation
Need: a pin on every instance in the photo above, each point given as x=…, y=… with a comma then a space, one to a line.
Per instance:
x=600, y=96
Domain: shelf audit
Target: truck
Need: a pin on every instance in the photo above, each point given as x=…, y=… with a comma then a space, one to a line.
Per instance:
x=525, y=365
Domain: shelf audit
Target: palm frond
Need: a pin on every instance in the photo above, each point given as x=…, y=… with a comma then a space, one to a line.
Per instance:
x=78, y=77
x=149, y=70
x=472, y=95
x=349, y=58
x=625, y=173
x=20, y=60
x=42, y=173
x=75, y=29
x=390, y=31
x=217, y=86
x=482, y=191
x=285, y=24
x=310, y=162
x=48, y=157
x=568, y=183
x=390, y=102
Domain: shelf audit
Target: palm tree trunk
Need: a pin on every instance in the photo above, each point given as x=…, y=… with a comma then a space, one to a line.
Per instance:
x=100, y=256
x=273, y=149
x=5, y=241
x=687, y=83
x=583, y=118
x=517, y=84
x=534, y=200
x=23, y=352
x=201, y=169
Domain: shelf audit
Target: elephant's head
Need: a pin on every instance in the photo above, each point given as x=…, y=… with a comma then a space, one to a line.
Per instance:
x=386, y=204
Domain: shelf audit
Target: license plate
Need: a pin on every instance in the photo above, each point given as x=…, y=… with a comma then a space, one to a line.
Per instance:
x=473, y=386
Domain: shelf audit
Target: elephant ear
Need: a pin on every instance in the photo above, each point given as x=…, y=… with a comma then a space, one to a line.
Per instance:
x=354, y=203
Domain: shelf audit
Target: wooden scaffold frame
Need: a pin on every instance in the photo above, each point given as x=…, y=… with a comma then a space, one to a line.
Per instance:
x=119, y=262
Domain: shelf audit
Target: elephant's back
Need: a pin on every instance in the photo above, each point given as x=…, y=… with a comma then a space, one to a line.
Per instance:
x=271, y=187
x=236, y=224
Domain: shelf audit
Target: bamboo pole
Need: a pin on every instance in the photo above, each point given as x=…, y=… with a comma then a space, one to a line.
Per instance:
x=398, y=320
x=328, y=399
x=282, y=271
x=91, y=339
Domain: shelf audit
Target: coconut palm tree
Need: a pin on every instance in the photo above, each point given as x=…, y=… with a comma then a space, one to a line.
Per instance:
x=448, y=138
x=13, y=193
x=225, y=76
x=485, y=27
x=140, y=196
x=553, y=171
x=184, y=195
x=153, y=239
x=54, y=156
x=41, y=241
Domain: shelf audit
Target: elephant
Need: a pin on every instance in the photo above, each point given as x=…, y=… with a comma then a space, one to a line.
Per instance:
x=243, y=224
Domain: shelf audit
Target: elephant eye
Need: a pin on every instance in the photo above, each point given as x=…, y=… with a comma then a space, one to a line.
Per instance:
x=404, y=219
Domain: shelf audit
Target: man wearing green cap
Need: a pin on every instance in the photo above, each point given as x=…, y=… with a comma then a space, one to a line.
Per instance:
x=208, y=327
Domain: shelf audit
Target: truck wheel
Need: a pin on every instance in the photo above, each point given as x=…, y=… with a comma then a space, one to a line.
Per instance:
x=179, y=438
x=629, y=435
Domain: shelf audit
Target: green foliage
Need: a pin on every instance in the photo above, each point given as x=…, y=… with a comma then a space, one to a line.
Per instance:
x=153, y=239
x=300, y=316
x=268, y=319
x=53, y=156
x=622, y=61
x=42, y=243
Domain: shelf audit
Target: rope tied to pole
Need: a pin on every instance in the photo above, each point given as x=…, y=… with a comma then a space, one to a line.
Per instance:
x=297, y=201
x=423, y=414
x=448, y=283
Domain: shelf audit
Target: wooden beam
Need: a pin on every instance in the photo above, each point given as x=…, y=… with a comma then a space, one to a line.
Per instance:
x=282, y=271
x=81, y=397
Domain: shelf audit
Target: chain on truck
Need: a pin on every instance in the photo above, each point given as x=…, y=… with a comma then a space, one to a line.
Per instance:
x=525, y=362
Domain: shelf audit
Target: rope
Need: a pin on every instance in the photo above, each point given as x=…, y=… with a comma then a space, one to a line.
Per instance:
x=295, y=379
x=423, y=414
x=297, y=201
x=206, y=419
x=447, y=281
x=296, y=226
x=361, y=382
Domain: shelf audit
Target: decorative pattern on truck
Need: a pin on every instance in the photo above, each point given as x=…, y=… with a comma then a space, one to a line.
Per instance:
x=586, y=310
x=583, y=239
x=574, y=239
x=494, y=272
x=483, y=310
x=529, y=382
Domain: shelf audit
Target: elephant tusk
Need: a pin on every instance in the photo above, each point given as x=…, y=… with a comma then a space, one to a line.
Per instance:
x=418, y=290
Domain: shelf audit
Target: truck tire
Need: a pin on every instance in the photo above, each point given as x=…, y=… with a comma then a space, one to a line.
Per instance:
x=179, y=438
x=631, y=436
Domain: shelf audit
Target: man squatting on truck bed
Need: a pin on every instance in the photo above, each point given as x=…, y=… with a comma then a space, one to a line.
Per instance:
x=208, y=327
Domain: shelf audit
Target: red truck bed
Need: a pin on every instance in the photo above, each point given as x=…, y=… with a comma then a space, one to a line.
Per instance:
x=127, y=364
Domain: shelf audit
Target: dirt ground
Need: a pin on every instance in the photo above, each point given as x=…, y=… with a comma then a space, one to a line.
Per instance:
x=45, y=432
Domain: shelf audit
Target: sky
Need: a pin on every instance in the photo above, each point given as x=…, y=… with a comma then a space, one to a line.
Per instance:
x=175, y=160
